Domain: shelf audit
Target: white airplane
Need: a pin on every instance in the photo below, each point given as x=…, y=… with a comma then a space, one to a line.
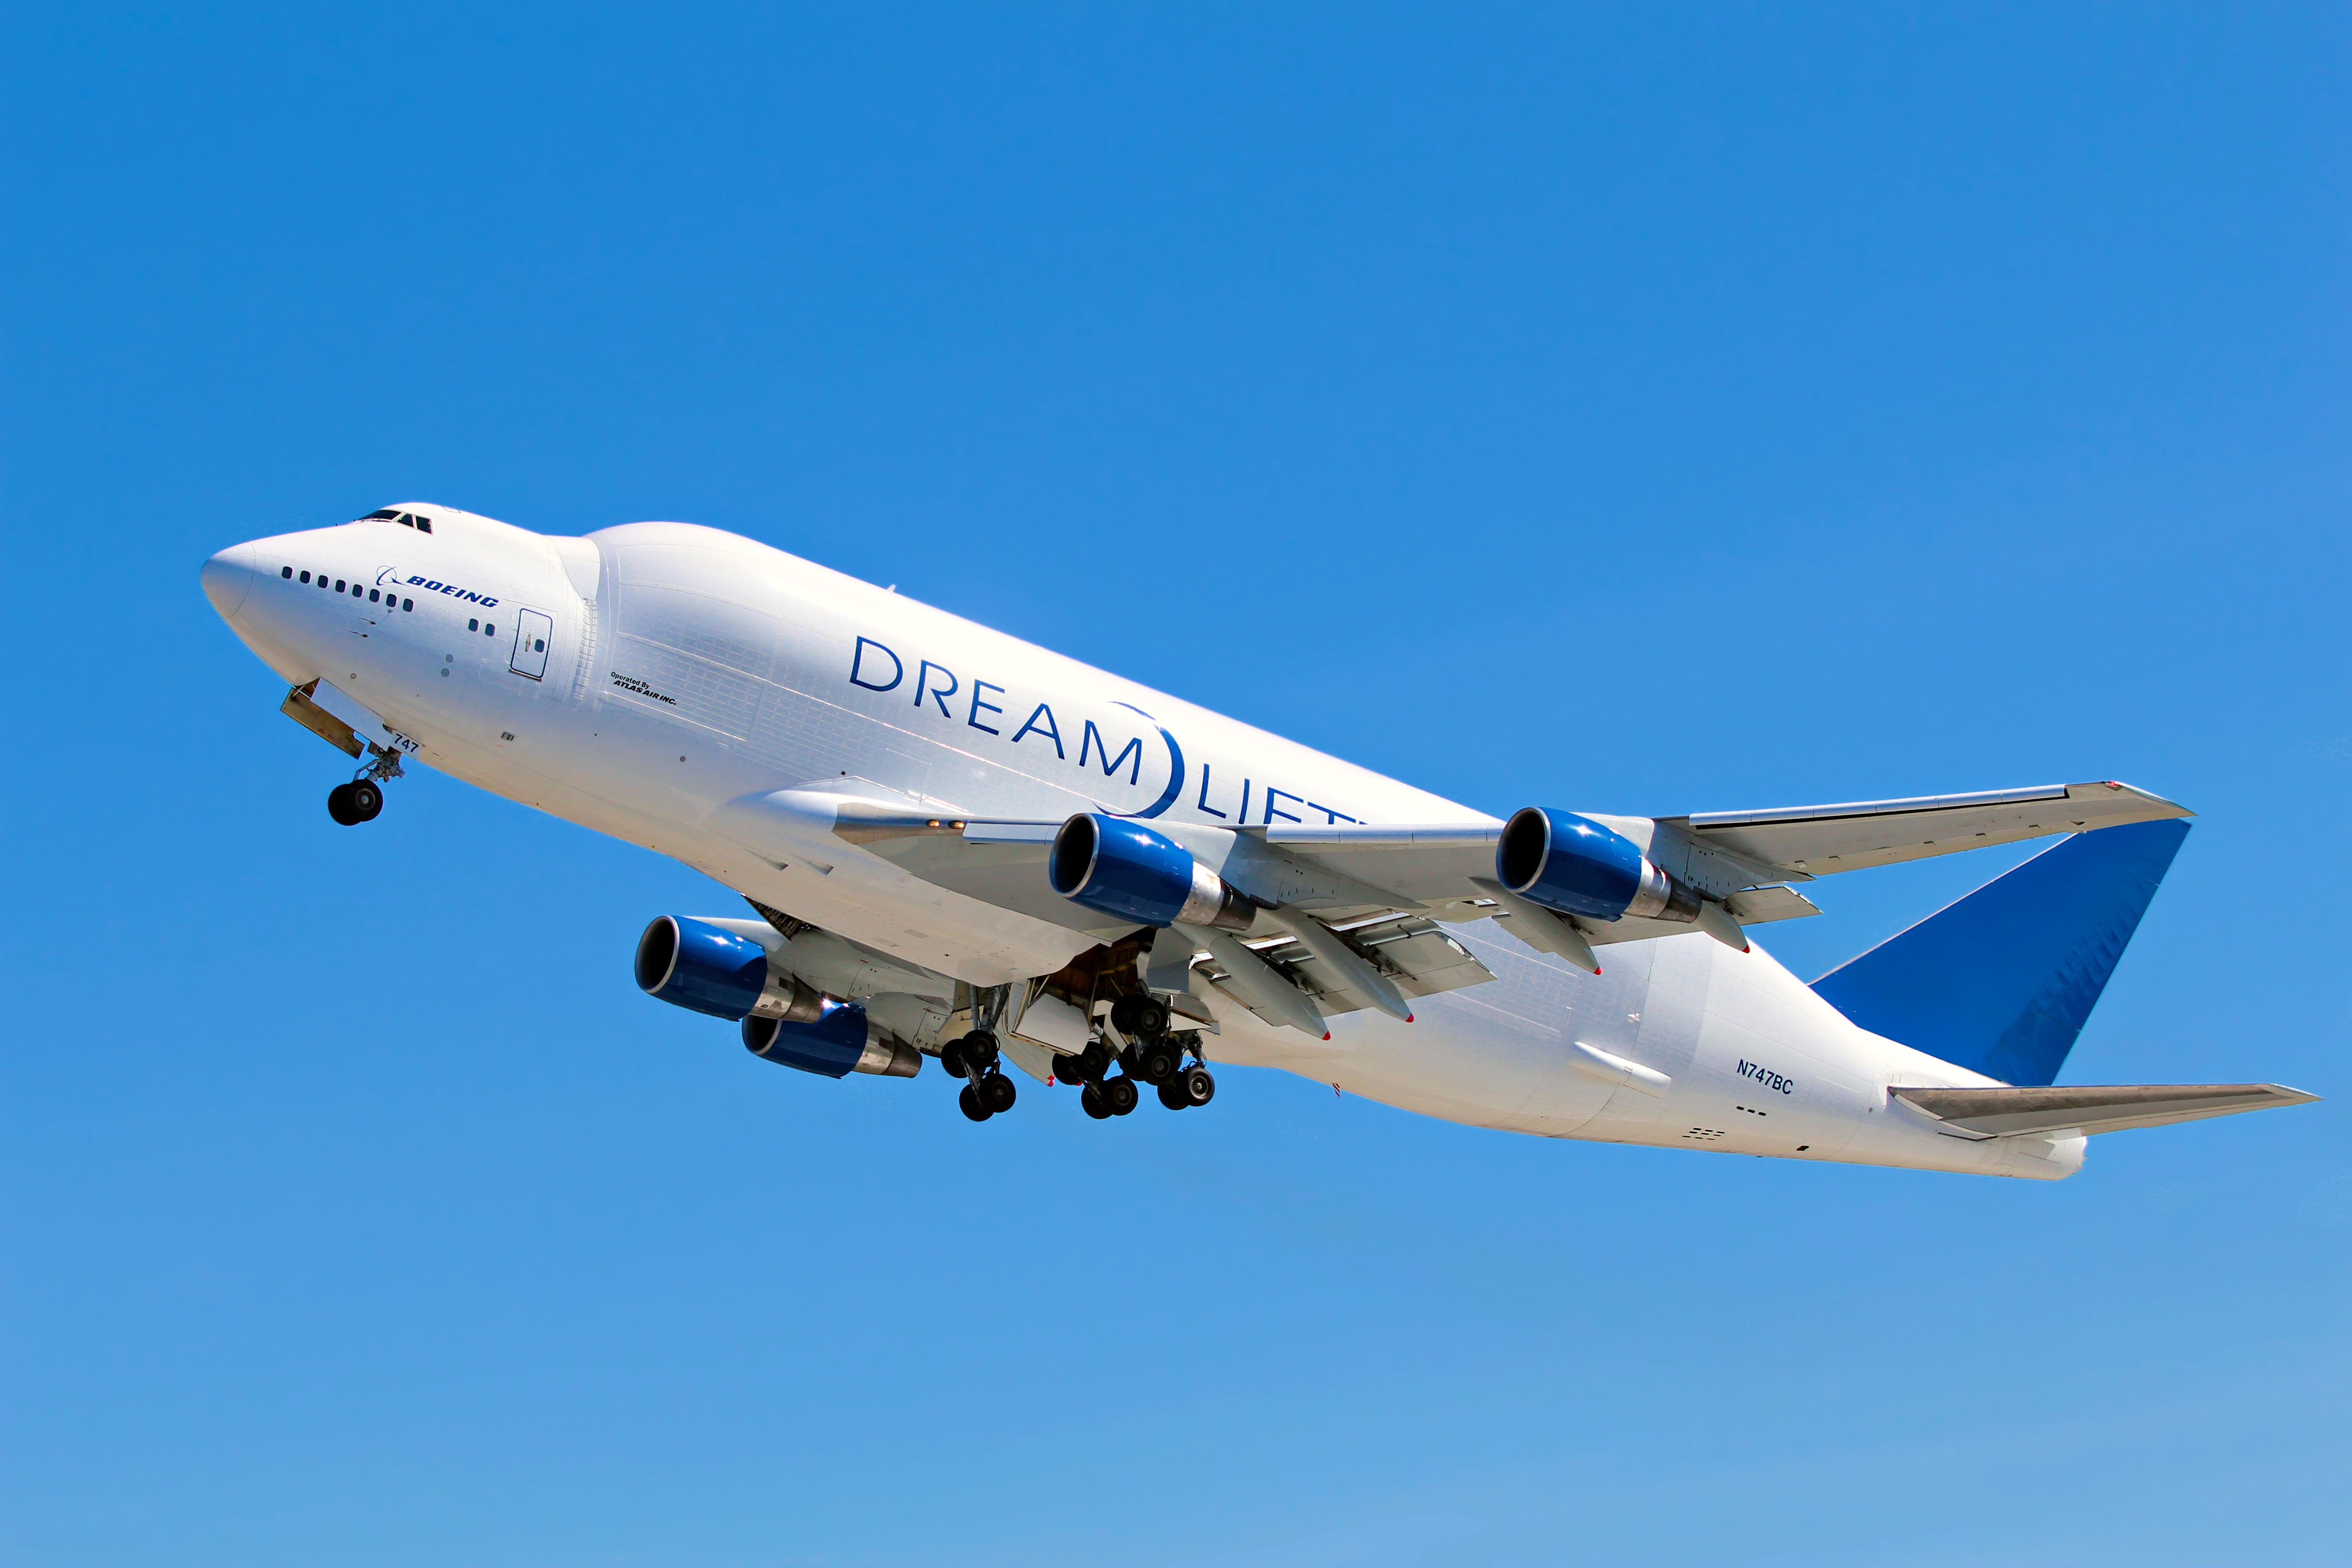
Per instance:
x=960, y=846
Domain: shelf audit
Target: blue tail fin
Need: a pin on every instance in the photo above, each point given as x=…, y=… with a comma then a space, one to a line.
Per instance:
x=2001, y=981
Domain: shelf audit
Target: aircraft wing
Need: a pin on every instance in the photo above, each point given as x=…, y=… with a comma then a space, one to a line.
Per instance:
x=1348, y=873
x=2022, y=1112
x=1806, y=841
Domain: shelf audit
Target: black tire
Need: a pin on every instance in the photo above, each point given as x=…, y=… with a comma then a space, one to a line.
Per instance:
x=997, y=1093
x=1069, y=1069
x=980, y=1049
x=1139, y=1015
x=1090, y=1101
x=1094, y=1061
x=1158, y=1062
x=971, y=1102
x=1119, y=1094
x=951, y=1059
x=1171, y=1095
x=339, y=807
x=1196, y=1086
x=367, y=799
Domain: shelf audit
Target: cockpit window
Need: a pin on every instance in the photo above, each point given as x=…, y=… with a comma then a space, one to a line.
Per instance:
x=405, y=519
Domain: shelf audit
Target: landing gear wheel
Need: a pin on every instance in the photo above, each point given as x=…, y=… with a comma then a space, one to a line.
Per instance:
x=1090, y=1101
x=951, y=1059
x=1196, y=1086
x=1094, y=1061
x=1069, y=1069
x=1119, y=1094
x=1158, y=1061
x=1136, y=1016
x=1171, y=1095
x=972, y=1106
x=980, y=1049
x=997, y=1093
x=367, y=799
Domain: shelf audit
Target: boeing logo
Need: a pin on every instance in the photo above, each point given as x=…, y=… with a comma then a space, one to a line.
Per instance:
x=390, y=575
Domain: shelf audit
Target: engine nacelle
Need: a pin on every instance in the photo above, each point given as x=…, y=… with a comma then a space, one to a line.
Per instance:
x=708, y=968
x=1123, y=868
x=1576, y=866
x=691, y=964
x=840, y=1041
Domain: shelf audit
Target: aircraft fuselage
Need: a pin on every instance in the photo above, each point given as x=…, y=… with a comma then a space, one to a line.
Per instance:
x=679, y=688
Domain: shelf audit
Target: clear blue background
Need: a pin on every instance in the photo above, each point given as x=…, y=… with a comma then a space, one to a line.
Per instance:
x=1689, y=410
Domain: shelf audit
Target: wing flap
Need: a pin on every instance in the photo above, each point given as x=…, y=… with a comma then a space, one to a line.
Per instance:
x=2005, y=1112
x=1417, y=957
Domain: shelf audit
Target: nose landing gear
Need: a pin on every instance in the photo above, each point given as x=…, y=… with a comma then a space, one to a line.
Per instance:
x=354, y=803
x=361, y=798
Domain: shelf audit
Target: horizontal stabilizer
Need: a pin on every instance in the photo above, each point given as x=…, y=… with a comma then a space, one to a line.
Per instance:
x=2016, y=1112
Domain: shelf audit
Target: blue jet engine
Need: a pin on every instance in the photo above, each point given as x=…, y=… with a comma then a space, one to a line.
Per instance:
x=708, y=969
x=1122, y=869
x=1574, y=865
x=693, y=964
x=838, y=1042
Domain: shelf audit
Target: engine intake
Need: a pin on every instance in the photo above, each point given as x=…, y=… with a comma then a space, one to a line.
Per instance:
x=691, y=964
x=1123, y=868
x=1574, y=865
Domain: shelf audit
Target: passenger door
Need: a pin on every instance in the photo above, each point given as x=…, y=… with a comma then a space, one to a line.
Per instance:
x=533, y=631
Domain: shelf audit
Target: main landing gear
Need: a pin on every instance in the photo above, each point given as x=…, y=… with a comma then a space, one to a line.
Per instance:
x=976, y=1059
x=1152, y=1055
x=360, y=799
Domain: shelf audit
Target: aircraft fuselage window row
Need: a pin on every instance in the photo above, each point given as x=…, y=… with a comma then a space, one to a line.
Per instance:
x=405, y=519
x=373, y=594
x=487, y=631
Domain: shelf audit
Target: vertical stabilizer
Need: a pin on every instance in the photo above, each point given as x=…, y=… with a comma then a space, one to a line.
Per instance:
x=2001, y=981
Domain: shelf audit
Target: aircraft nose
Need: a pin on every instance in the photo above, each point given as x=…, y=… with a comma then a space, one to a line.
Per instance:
x=228, y=578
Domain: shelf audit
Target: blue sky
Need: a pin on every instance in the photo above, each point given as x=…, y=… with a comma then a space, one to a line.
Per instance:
x=1649, y=412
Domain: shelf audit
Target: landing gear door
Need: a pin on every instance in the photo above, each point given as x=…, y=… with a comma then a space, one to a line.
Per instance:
x=533, y=631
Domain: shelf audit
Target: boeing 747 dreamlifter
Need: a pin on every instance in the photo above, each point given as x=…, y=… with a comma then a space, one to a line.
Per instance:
x=960, y=845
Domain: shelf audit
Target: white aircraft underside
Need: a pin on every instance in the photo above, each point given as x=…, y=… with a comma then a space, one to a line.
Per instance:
x=886, y=783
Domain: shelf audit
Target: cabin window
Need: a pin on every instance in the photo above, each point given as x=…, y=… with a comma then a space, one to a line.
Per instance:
x=538, y=644
x=489, y=631
x=286, y=571
x=408, y=604
x=371, y=595
x=473, y=626
x=306, y=577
